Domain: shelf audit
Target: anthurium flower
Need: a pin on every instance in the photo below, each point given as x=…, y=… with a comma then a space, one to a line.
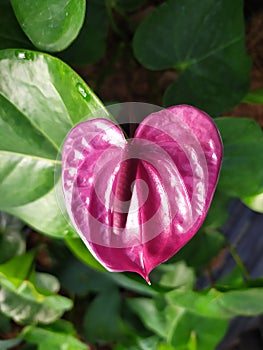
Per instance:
x=136, y=202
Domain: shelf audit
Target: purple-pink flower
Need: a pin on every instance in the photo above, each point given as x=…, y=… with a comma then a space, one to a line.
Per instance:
x=136, y=202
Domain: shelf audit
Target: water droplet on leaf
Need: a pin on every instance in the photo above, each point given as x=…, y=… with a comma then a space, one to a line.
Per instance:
x=84, y=93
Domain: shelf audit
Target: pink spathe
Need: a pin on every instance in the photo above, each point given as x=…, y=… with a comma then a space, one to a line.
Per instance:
x=136, y=202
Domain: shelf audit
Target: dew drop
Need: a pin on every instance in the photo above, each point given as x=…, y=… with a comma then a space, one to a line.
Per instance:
x=83, y=91
x=24, y=55
x=65, y=232
x=20, y=55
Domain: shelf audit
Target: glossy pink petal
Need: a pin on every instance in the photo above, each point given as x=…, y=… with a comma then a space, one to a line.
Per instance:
x=136, y=203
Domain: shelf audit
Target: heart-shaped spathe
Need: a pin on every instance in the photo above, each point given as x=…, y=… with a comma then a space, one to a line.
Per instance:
x=136, y=202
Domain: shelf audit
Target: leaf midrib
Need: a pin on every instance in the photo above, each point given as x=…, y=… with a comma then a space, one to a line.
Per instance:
x=211, y=53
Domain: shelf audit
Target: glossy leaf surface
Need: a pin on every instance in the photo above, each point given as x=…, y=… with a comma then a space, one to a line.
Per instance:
x=41, y=99
x=200, y=44
x=242, y=171
x=51, y=25
x=173, y=165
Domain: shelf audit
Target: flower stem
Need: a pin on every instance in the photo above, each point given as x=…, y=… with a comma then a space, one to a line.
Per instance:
x=238, y=261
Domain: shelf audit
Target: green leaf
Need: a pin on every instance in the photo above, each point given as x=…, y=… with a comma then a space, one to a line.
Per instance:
x=24, y=304
x=255, y=96
x=134, y=282
x=149, y=343
x=20, y=266
x=11, y=241
x=254, y=202
x=102, y=320
x=9, y=344
x=193, y=332
x=5, y=325
x=151, y=313
x=54, y=225
x=207, y=45
x=45, y=283
x=179, y=327
x=22, y=300
x=218, y=212
x=51, y=338
x=41, y=98
x=216, y=304
x=165, y=346
x=174, y=275
x=90, y=45
x=11, y=34
x=61, y=19
x=129, y=281
x=242, y=172
x=79, y=279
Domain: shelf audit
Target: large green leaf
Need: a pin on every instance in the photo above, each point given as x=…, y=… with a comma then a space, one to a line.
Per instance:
x=11, y=34
x=206, y=42
x=55, y=224
x=90, y=44
x=179, y=327
x=151, y=313
x=102, y=321
x=41, y=98
x=242, y=171
x=191, y=331
x=216, y=304
x=19, y=267
x=51, y=25
x=54, y=337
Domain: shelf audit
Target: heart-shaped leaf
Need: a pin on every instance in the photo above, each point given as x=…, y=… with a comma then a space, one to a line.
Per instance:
x=205, y=42
x=61, y=20
x=136, y=203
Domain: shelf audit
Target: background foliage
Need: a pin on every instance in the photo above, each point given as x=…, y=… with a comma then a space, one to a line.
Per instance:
x=53, y=294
